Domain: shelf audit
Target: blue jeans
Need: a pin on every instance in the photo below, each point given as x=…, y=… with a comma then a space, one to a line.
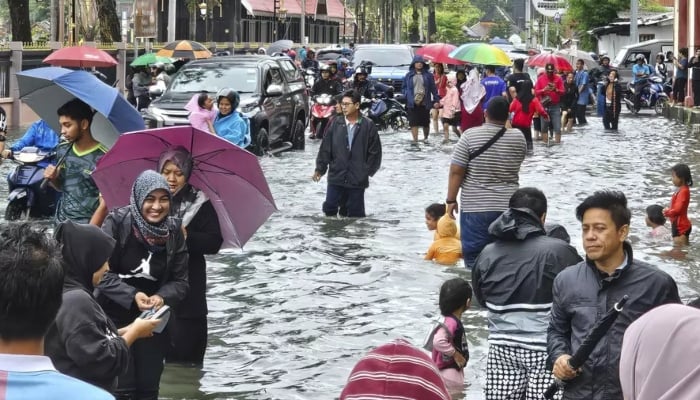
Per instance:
x=475, y=233
x=347, y=202
x=600, y=106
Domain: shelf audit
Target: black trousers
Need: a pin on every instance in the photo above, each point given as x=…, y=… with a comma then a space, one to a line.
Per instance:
x=343, y=201
x=581, y=114
x=696, y=92
x=527, y=132
x=610, y=118
x=679, y=86
x=141, y=381
x=188, y=340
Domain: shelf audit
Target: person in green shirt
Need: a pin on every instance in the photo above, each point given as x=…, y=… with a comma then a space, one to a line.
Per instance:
x=79, y=197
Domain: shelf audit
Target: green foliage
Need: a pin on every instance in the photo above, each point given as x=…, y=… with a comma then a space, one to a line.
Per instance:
x=450, y=16
x=584, y=15
x=501, y=29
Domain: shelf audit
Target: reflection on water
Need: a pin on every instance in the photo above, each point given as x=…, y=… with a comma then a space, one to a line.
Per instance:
x=292, y=313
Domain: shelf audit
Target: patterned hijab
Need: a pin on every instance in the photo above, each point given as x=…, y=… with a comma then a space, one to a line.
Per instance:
x=179, y=156
x=145, y=184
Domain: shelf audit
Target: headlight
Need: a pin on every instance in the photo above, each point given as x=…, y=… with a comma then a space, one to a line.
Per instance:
x=249, y=110
x=156, y=112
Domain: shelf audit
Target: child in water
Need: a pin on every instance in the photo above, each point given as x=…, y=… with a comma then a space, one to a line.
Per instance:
x=657, y=222
x=450, y=348
x=432, y=214
x=678, y=210
x=447, y=247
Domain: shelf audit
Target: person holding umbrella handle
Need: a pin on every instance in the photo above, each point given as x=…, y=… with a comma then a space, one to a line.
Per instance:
x=80, y=155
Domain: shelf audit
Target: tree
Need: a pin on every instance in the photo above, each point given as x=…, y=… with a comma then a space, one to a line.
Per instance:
x=108, y=21
x=19, y=17
x=584, y=15
x=450, y=23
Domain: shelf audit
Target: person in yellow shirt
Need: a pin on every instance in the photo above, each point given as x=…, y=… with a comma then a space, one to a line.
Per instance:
x=447, y=248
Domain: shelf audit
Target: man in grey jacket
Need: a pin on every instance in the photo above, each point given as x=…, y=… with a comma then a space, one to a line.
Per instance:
x=584, y=292
x=513, y=279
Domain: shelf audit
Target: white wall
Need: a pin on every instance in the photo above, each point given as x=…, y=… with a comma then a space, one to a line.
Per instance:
x=612, y=43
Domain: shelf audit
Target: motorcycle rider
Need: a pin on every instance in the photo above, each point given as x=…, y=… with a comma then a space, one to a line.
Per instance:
x=597, y=79
x=361, y=84
x=310, y=62
x=326, y=85
x=39, y=135
x=344, y=71
x=640, y=74
x=161, y=78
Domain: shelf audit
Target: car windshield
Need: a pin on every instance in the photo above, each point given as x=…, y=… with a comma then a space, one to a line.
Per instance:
x=620, y=57
x=329, y=55
x=383, y=57
x=213, y=77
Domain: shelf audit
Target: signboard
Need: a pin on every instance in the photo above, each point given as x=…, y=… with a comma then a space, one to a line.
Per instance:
x=550, y=7
x=144, y=16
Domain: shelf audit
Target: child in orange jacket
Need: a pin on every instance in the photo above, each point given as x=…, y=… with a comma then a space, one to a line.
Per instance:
x=447, y=248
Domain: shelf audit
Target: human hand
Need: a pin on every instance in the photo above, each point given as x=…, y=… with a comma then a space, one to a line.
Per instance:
x=143, y=328
x=460, y=360
x=316, y=176
x=563, y=370
x=184, y=230
x=436, y=105
x=142, y=301
x=451, y=209
x=7, y=153
x=50, y=172
x=156, y=301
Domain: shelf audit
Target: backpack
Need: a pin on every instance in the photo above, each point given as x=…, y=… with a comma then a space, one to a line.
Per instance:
x=428, y=341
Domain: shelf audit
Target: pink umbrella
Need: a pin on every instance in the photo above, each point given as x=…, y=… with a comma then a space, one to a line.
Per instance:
x=80, y=56
x=230, y=176
x=439, y=53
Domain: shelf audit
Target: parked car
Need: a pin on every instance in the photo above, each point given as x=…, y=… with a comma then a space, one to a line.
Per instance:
x=272, y=90
x=626, y=56
x=390, y=62
x=331, y=54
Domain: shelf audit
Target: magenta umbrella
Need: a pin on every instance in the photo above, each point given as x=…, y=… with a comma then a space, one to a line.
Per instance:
x=230, y=176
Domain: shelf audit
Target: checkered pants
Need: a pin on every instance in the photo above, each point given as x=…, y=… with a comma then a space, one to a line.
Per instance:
x=513, y=373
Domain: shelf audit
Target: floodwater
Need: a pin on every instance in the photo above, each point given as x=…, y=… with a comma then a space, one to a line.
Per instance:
x=308, y=296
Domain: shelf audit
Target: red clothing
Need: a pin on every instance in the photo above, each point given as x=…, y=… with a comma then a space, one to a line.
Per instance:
x=441, y=84
x=472, y=120
x=678, y=211
x=522, y=119
x=555, y=94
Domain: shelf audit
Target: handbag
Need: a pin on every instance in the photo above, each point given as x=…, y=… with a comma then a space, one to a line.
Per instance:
x=418, y=98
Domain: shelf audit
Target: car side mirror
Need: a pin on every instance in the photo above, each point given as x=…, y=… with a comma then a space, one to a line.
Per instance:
x=155, y=91
x=274, y=90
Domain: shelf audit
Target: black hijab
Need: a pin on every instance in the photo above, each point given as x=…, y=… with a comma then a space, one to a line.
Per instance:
x=525, y=95
x=85, y=250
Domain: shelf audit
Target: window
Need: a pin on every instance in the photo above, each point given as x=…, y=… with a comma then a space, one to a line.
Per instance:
x=290, y=70
x=647, y=36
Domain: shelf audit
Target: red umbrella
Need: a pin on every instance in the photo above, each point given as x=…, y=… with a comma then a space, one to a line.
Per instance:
x=80, y=56
x=439, y=53
x=560, y=63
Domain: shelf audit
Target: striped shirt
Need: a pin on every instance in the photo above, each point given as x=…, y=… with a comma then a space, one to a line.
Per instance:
x=492, y=177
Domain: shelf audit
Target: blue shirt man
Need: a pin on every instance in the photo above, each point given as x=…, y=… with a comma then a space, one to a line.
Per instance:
x=581, y=80
x=39, y=135
x=494, y=85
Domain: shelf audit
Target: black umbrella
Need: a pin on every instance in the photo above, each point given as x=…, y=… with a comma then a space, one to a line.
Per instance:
x=584, y=351
x=279, y=46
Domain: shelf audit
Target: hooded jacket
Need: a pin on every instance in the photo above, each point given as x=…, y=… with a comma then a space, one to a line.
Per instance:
x=83, y=342
x=431, y=94
x=581, y=294
x=513, y=278
x=117, y=296
x=350, y=165
x=447, y=247
x=660, y=354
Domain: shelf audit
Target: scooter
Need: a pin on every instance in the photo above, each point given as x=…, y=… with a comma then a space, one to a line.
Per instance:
x=386, y=112
x=653, y=96
x=309, y=77
x=321, y=111
x=27, y=199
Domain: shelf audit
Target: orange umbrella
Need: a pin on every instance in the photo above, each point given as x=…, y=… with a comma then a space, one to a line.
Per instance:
x=80, y=56
x=184, y=49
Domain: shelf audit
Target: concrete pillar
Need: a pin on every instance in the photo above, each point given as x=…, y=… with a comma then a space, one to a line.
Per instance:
x=121, y=66
x=172, y=9
x=15, y=67
x=690, y=15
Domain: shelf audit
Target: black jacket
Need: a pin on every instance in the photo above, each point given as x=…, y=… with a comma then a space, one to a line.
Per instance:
x=615, y=106
x=365, y=88
x=115, y=295
x=203, y=237
x=350, y=166
x=515, y=270
x=581, y=296
x=326, y=86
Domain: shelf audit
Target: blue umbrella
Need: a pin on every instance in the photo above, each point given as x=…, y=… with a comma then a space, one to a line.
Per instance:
x=46, y=89
x=498, y=40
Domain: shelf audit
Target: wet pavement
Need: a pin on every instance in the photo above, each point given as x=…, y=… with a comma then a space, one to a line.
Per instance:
x=308, y=296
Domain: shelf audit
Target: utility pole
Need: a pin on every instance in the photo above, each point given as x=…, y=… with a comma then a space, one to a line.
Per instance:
x=172, y=9
x=302, y=23
x=634, y=14
x=528, y=22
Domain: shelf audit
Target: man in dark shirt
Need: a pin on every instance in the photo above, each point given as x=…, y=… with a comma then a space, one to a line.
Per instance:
x=516, y=79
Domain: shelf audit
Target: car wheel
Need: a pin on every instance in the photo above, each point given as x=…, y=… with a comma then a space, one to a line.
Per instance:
x=298, y=139
x=262, y=142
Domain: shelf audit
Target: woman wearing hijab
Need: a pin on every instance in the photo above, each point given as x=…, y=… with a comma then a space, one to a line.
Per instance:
x=83, y=342
x=660, y=352
x=147, y=270
x=188, y=325
x=473, y=91
x=228, y=123
x=522, y=109
x=202, y=112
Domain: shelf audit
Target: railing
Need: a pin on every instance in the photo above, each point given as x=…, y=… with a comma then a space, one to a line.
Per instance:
x=43, y=45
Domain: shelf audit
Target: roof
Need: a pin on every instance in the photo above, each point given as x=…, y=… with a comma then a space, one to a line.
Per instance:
x=317, y=9
x=622, y=24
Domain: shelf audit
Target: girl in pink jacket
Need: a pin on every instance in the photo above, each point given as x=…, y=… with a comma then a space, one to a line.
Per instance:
x=450, y=111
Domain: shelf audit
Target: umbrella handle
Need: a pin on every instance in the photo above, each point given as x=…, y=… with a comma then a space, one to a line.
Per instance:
x=553, y=389
x=621, y=303
x=60, y=162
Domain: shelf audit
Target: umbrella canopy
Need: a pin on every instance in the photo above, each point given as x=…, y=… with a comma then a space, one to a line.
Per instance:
x=184, y=49
x=480, y=53
x=230, y=176
x=498, y=40
x=573, y=55
x=541, y=60
x=147, y=59
x=438, y=53
x=46, y=89
x=280, y=46
x=81, y=57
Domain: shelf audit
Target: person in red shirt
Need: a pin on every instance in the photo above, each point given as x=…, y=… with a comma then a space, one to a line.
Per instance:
x=678, y=211
x=549, y=89
x=523, y=107
x=441, y=83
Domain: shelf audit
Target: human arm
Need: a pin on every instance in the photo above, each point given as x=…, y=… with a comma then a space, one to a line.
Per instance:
x=28, y=139
x=679, y=205
x=539, y=109
x=455, y=179
x=583, y=83
x=204, y=232
x=540, y=87
x=432, y=250
x=559, y=335
x=235, y=130
x=176, y=285
x=559, y=86
x=100, y=213
x=374, y=151
x=323, y=158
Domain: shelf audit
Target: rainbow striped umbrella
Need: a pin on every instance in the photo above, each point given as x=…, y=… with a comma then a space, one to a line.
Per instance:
x=480, y=53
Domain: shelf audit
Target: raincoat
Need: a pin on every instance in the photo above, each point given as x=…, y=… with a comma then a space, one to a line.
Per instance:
x=199, y=116
x=233, y=128
x=447, y=248
x=431, y=94
x=450, y=103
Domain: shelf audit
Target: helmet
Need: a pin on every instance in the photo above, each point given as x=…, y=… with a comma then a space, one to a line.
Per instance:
x=262, y=50
x=3, y=120
x=343, y=60
x=158, y=65
x=292, y=53
x=231, y=95
x=325, y=67
x=639, y=57
x=361, y=71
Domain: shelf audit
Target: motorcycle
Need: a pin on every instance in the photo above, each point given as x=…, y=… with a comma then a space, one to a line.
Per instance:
x=386, y=112
x=309, y=77
x=27, y=198
x=321, y=111
x=653, y=96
